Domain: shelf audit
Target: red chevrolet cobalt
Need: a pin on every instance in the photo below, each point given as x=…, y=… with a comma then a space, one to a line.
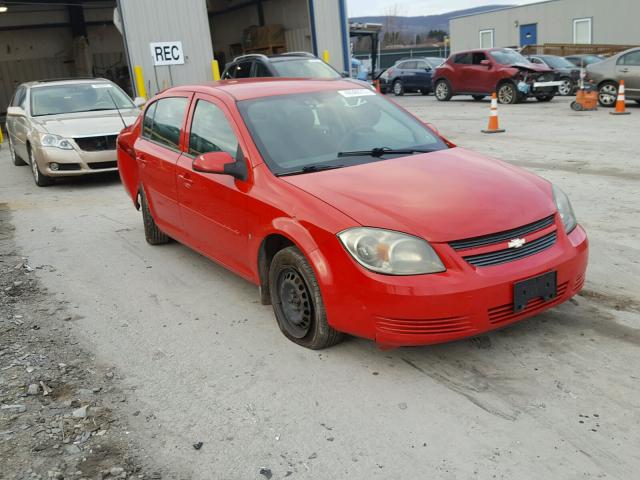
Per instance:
x=351, y=215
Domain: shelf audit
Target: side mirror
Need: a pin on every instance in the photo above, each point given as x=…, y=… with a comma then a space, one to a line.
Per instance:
x=16, y=112
x=486, y=63
x=220, y=163
x=428, y=69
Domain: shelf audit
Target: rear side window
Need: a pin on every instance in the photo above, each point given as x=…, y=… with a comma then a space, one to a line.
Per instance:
x=211, y=131
x=163, y=120
x=409, y=65
x=632, y=59
x=463, y=58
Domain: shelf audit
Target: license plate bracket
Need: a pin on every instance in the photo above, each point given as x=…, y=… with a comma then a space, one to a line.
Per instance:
x=543, y=286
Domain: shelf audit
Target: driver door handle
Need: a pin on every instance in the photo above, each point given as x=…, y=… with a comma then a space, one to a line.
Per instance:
x=186, y=180
x=624, y=70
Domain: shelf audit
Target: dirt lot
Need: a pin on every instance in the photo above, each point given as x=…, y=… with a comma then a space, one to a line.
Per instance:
x=198, y=359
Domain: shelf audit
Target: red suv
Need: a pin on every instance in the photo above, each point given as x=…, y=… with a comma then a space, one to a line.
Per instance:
x=481, y=72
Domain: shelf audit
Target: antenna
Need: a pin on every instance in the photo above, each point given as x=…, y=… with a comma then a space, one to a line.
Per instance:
x=117, y=109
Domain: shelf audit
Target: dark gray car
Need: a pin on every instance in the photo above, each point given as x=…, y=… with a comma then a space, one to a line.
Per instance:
x=608, y=73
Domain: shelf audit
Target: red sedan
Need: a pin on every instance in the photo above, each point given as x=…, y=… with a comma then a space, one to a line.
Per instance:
x=350, y=214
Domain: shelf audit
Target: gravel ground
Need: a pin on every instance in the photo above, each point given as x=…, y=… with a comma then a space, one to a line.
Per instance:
x=200, y=360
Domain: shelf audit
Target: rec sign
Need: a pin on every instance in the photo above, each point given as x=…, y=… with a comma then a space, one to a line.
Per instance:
x=167, y=53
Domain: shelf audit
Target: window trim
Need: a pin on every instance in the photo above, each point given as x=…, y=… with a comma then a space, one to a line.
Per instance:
x=493, y=37
x=576, y=21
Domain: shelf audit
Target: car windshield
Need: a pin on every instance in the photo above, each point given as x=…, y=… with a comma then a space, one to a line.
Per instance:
x=508, y=57
x=435, y=62
x=77, y=97
x=558, y=62
x=304, y=68
x=312, y=131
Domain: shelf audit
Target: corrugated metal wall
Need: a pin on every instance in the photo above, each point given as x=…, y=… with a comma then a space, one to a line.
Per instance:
x=331, y=31
x=147, y=21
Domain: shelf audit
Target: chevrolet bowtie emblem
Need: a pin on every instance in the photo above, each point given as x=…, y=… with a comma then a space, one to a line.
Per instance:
x=516, y=243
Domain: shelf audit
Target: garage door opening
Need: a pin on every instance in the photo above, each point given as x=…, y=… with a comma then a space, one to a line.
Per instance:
x=59, y=39
x=264, y=27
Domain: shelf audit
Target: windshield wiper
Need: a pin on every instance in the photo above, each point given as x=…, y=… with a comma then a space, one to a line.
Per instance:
x=379, y=152
x=311, y=169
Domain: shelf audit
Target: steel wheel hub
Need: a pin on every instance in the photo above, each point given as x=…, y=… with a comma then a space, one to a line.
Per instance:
x=608, y=94
x=565, y=88
x=295, y=303
x=505, y=94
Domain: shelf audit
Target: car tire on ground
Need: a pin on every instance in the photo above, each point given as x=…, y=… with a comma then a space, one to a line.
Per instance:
x=544, y=98
x=15, y=159
x=567, y=87
x=398, y=88
x=152, y=233
x=507, y=93
x=38, y=177
x=442, y=90
x=297, y=302
x=478, y=98
x=608, y=94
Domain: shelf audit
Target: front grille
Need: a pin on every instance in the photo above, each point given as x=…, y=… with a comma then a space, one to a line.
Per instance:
x=102, y=165
x=502, y=236
x=510, y=254
x=97, y=144
x=431, y=326
x=505, y=313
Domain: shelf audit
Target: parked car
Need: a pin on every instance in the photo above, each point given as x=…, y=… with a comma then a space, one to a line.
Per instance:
x=409, y=75
x=291, y=65
x=565, y=71
x=585, y=59
x=350, y=214
x=481, y=72
x=606, y=75
x=68, y=127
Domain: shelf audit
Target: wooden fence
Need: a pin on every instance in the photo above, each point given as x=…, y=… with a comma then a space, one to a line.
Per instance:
x=564, y=49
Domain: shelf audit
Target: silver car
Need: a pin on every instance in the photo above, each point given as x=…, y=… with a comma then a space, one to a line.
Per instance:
x=67, y=127
x=608, y=73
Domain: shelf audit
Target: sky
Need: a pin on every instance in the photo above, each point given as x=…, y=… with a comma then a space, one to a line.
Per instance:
x=360, y=8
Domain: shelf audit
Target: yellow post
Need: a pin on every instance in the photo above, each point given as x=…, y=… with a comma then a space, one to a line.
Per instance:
x=1, y=137
x=325, y=56
x=215, y=69
x=142, y=92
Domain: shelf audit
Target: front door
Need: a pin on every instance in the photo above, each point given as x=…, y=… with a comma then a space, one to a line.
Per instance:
x=628, y=69
x=213, y=206
x=157, y=153
x=528, y=34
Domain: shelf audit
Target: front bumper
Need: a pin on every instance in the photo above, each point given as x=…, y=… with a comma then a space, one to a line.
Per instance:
x=546, y=85
x=75, y=162
x=464, y=301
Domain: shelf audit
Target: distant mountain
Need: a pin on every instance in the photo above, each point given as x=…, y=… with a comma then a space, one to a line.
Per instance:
x=420, y=25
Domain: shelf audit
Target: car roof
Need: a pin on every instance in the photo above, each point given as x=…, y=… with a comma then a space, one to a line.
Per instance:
x=250, y=88
x=64, y=81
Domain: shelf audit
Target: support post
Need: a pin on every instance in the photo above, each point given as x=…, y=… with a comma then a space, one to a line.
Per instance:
x=215, y=69
x=142, y=92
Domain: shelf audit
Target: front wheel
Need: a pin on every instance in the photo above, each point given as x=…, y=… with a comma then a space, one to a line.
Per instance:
x=442, y=91
x=398, y=88
x=507, y=94
x=297, y=301
x=544, y=98
x=608, y=94
x=566, y=88
x=38, y=177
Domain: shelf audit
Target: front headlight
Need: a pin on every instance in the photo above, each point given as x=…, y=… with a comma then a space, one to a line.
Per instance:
x=565, y=209
x=50, y=140
x=389, y=252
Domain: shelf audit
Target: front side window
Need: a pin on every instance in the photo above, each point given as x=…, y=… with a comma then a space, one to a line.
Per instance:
x=297, y=131
x=304, y=68
x=163, y=121
x=211, y=131
x=582, y=30
x=77, y=97
x=262, y=70
x=478, y=57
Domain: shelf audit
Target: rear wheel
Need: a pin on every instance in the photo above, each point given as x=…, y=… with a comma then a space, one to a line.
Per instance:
x=507, y=93
x=478, y=98
x=297, y=302
x=38, y=177
x=442, y=91
x=544, y=98
x=152, y=233
x=566, y=88
x=15, y=159
x=398, y=88
x=608, y=94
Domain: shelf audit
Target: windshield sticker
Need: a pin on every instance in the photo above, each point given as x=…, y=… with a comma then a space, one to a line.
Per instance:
x=100, y=85
x=315, y=60
x=356, y=92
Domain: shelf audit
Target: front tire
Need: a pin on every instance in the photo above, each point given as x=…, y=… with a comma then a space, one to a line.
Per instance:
x=297, y=301
x=152, y=233
x=507, y=94
x=608, y=94
x=566, y=88
x=398, y=88
x=15, y=159
x=442, y=91
x=38, y=177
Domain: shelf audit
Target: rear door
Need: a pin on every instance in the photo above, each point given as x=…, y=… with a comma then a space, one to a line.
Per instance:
x=157, y=151
x=408, y=74
x=628, y=69
x=457, y=77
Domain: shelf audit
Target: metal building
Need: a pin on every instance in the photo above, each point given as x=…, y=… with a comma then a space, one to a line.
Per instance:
x=552, y=21
x=110, y=38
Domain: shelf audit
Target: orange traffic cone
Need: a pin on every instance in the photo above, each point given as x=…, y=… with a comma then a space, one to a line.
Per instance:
x=621, y=103
x=376, y=84
x=494, y=126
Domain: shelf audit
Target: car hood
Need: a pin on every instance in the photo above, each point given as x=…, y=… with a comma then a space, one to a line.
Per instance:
x=531, y=67
x=84, y=124
x=441, y=196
